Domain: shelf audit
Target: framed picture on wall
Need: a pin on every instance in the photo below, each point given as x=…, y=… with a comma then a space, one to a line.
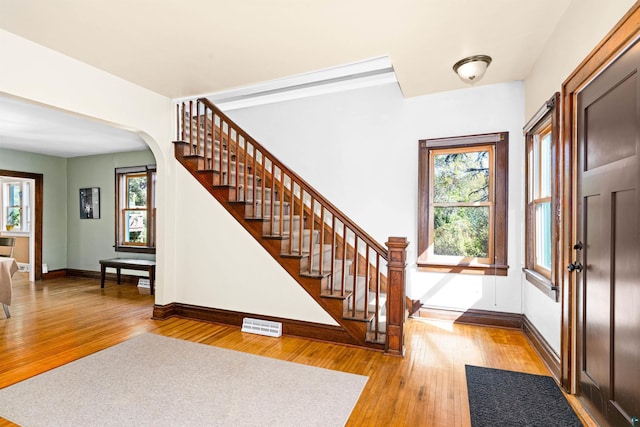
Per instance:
x=90, y=203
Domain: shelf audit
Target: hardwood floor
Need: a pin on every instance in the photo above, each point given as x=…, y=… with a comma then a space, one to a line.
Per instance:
x=58, y=321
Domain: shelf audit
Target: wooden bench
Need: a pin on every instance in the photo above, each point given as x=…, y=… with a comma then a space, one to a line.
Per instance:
x=129, y=264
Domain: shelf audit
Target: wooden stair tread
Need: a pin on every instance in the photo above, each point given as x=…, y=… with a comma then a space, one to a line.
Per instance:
x=325, y=293
x=382, y=337
x=316, y=274
x=359, y=316
x=274, y=236
x=286, y=255
x=229, y=174
x=256, y=218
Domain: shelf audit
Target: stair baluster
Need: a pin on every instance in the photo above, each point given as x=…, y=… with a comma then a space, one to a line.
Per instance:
x=291, y=216
x=263, y=187
x=321, y=254
x=311, y=236
x=355, y=276
x=333, y=254
x=190, y=126
x=301, y=222
x=377, y=318
x=366, y=282
x=282, y=206
x=197, y=145
x=344, y=260
x=246, y=178
x=206, y=146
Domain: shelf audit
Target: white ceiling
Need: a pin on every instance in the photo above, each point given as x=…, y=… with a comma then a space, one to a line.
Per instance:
x=182, y=48
x=34, y=128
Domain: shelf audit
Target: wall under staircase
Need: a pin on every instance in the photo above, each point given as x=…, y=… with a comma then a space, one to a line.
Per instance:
x=357, y=281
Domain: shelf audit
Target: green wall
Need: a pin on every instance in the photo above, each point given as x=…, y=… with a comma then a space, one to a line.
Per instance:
x=54, y=215
x=68, y=241
x=90, y=240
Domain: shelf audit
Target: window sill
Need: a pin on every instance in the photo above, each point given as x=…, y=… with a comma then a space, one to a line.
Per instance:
x=14, y=233
x=136, y=249
x=542, y=283
x=482, y=269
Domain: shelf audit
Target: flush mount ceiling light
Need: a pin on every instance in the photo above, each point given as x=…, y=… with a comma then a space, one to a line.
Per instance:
x=471, y=69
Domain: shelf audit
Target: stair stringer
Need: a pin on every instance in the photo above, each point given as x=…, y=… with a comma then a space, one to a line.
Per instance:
x=355, y=331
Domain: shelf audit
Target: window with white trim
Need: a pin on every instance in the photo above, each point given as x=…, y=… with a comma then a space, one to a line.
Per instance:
x=541, y=134
x=539, y=199
x=16, y=209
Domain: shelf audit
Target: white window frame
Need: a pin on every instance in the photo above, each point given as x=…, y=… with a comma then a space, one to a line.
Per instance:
x=546, y=121
x=24, y=206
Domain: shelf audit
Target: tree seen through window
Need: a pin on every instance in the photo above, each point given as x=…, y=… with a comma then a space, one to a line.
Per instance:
x=462, y=204
x=136, y=207
x=461, y=195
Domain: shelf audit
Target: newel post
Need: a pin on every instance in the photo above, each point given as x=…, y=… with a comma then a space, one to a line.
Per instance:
x=396, y=300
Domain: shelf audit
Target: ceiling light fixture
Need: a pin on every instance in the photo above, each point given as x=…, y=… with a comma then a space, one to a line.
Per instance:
x=471, y=69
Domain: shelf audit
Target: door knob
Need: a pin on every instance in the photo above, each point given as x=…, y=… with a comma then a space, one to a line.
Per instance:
x=574, y=266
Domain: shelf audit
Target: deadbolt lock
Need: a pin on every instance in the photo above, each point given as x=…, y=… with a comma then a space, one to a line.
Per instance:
x=574, y=266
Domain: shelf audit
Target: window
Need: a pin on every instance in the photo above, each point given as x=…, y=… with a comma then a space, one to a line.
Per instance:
x=539, y=199
x=135, y=204
x=542, y=141
x=463, y=204
x=15, y=202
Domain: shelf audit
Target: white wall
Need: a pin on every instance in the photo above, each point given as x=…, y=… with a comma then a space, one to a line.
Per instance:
x=477, y=110
x=360, y=150
x=41, y=75
x=367, y=136
x=584, y=24
x=374, y=133
x=44, y=76
x=580, y=30
x=246, y=281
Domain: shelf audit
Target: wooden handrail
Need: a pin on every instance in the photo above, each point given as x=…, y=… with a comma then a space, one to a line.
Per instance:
x=273, y=193
x=307, y=187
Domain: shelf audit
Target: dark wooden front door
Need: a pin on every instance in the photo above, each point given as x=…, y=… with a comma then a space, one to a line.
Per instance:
x=607, y=263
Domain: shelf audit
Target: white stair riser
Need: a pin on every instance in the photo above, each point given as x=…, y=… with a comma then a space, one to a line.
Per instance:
x=295, y=241
x=257, y=205
x=232, y=172
x=273, y=227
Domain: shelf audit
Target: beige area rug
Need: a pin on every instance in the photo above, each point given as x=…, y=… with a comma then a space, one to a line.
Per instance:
x=152, y=380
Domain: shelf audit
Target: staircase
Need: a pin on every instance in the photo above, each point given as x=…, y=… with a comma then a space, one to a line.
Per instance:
x=355, y=279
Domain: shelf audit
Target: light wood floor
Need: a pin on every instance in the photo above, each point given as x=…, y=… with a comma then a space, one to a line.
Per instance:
x=58, y=321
